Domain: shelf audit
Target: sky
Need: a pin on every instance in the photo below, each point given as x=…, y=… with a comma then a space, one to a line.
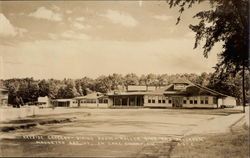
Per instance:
x=73, y=39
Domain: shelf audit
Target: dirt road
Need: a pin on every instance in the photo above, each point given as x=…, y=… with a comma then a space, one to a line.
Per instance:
x=113, y=132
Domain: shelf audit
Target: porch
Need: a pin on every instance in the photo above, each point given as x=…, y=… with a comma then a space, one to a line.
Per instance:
x=127, y=100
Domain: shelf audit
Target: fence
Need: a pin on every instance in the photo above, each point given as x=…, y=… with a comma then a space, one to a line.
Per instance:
x=17, y=113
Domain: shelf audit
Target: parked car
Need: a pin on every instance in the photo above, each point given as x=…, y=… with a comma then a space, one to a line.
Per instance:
x=226, y=106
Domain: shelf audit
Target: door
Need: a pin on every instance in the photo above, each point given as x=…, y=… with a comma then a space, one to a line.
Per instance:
x=177, y=102
x=78, y=103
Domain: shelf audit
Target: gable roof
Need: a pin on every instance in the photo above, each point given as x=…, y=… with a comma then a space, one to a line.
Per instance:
x=171, y=90
x=94, y=95
x=189, y=89
x=156, y=92
x=210, y=90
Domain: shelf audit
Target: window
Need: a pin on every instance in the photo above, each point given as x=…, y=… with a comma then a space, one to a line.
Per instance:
x=105, y=101
x=159, y=101
x=149, y=101
x=81, y=101
x=184, y=102
x=206, y=100
x=202, y=101
x=163, y=101
x=153, y=101
x=191, y=101
x=195, y=101
x=169, y=101
x=215, y=101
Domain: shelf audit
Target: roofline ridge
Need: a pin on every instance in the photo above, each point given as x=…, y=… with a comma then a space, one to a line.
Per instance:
x=210, y=89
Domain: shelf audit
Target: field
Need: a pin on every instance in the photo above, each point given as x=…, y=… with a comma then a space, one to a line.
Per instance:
x=125, y=133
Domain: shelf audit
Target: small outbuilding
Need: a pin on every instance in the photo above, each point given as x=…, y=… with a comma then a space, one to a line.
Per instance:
x=44, y=102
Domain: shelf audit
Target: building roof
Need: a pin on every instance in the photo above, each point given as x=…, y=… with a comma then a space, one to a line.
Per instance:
x=190, y=89
x=210, y=90
x=126, y=93
x=62, y=100
x=155, y=92
x=94, y=95
x=140, y=88
x=3, y=89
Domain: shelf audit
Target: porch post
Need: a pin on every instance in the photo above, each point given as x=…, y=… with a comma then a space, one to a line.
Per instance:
x=97, y=102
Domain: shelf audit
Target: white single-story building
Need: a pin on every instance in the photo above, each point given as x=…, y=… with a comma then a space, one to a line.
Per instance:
x=93, y=100
x=44, y=102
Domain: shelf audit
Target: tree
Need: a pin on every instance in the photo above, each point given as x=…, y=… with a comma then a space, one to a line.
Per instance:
x=116, y=80
x=28, y=89
x=226, y=22
x=70, y=89
x=229, y=86
x=43, y=88
x=131, y=79
x=79, y=89
x=103, y=84
x=162, y=80
x=54, y=86
x=12, y=86
x=85, y=84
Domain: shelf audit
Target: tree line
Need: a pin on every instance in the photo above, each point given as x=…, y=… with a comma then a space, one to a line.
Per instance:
x=28, y=89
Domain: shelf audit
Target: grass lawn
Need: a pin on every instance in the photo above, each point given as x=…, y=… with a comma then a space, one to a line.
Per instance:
x=229, y=145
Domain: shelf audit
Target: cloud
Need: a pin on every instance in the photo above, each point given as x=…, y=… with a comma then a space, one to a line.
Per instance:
x=75, y=36
x=69, y=11
x=80, y=26
x=56, y=8
x=163, y=17
x=44, y=13
x=21, y=31
x=52, y=36
x=6, y=28
x=80, y=19
x=85, y=57
x=120, y=18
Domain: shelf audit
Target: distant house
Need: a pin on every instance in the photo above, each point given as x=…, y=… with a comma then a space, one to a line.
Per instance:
x=3, y=97
x=44, y=102
x=179, y=94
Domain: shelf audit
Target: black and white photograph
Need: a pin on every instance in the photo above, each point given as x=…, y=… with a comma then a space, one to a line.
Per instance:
x=124, y=78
